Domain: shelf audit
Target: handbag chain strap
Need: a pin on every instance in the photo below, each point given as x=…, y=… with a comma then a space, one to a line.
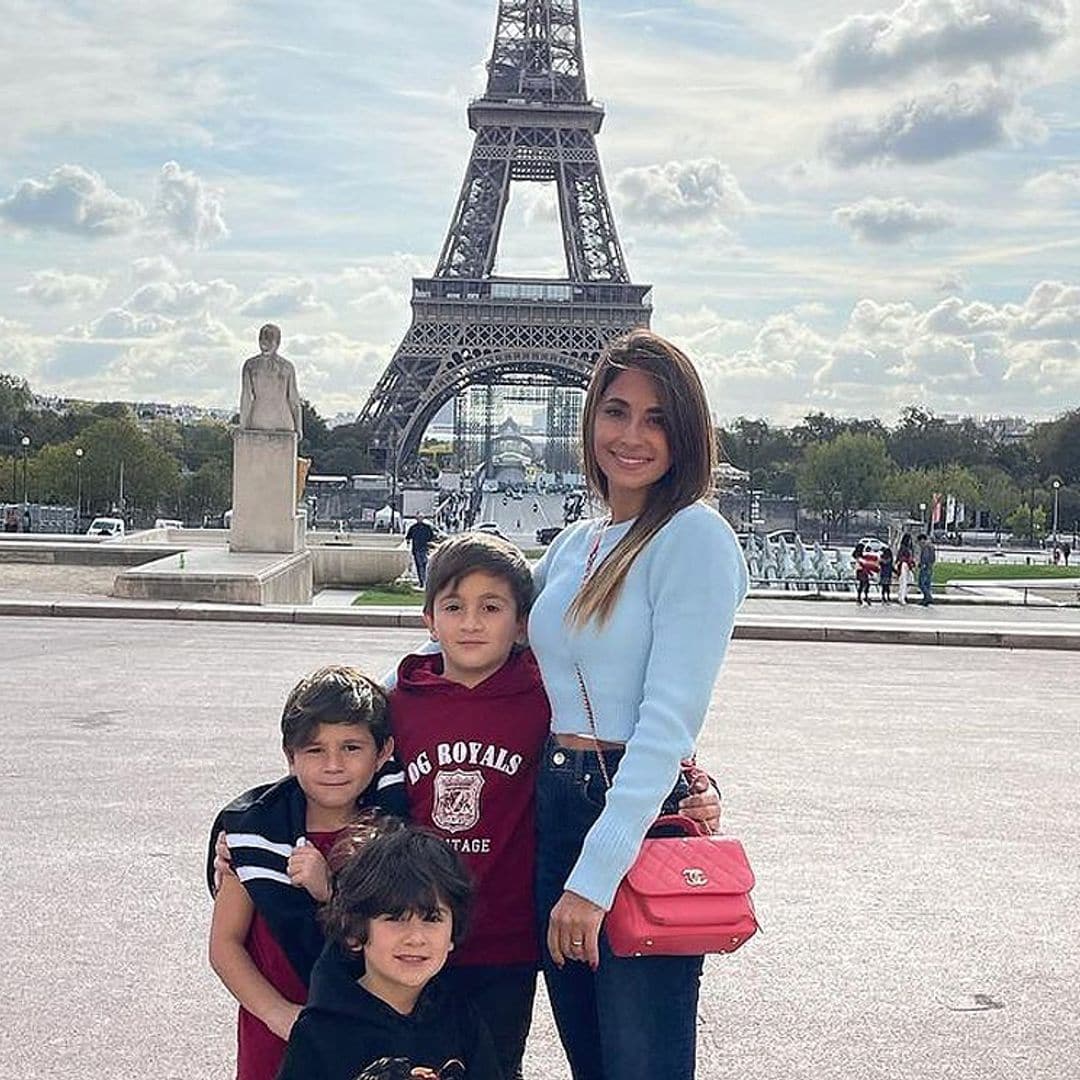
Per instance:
x=589, y=564
x=590, y=561
x=592, y=725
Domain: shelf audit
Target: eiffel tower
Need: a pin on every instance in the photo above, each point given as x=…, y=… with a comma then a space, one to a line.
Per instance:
x=535, y=122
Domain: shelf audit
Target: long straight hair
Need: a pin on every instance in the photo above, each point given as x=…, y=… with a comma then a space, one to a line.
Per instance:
x=691, y=441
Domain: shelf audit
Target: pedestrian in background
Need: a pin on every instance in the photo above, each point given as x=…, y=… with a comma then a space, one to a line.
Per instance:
x=866, y=565
x=905, y=566
x=927, y=558
x=420, y=537
x=885, y=574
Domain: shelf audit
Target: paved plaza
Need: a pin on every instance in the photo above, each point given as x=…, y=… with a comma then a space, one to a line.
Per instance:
x=911, y=814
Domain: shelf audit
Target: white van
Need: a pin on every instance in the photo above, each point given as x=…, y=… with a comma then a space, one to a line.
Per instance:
x=106, y=526
x=168, y=523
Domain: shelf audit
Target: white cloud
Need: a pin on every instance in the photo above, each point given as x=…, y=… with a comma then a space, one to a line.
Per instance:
x=185, y=298
x=680, y=194
x=1051, y=312
x=944, y=124
x=951, y=282
x=946, y=35
x=187, y=208
x=1055, y=185
x=71, y=199
x=890, y=221
x=941, y=360
x=84, y=71
x=119, y=323
x=539, y=203
x=334, y=370
x=54, y=287
x=154, y=268
x=953, y=317
x=289, y=296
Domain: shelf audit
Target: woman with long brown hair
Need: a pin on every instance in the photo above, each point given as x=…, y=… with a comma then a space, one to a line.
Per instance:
x=632, y=620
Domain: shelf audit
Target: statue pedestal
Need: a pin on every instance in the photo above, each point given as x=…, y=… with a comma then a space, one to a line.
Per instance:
x=264, y=517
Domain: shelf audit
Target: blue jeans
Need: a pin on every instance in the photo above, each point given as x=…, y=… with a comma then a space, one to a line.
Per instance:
x=634, y=1018
x=926, y=578
x=420, y=556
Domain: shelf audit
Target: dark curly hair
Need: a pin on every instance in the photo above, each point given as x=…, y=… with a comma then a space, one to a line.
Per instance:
x=399, y=871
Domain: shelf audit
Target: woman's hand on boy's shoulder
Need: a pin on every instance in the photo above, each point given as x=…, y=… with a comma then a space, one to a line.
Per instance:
x=308, y=869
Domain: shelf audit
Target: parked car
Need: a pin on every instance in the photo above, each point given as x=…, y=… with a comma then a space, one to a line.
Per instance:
x=168, y=523
x=546, y=535
x=491, y=528
x=789, y=536
x=872, y=543
x=106, y=526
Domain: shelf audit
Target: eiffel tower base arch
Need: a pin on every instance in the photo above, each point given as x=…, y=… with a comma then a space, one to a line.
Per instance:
x=452, y=345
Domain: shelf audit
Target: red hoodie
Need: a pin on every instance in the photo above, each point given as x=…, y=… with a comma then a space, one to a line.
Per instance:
x=470, y=760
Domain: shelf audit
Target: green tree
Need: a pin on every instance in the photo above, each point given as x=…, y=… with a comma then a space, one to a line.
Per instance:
x=167, y=435
x=819, y=427
x=1056, y=445
x=9, y=466
x=15, y=398
x=958, y=481
x=207, y=492
x=1025, y=521
x=316, y=433
x=203, y=442
x=765, y=451
x=848, y=473
x=922, y=440
x=346, y=452
x=998, y=494
x=56, y=470
x=151, y=477
x=111, y=410
x=908, y=488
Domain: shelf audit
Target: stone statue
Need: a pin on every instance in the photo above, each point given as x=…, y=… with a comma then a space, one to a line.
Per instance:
x=269, y=399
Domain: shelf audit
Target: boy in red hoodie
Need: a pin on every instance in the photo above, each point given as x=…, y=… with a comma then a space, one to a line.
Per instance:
x=470, y=723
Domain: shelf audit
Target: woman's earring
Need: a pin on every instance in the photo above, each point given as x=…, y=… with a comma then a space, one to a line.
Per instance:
x=434, y=635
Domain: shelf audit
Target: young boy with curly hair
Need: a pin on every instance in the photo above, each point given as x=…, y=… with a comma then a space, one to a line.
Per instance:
x=400, y=906
x=264, y=936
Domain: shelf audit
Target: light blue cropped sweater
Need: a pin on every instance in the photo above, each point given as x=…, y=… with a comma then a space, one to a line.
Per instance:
x=650, y=670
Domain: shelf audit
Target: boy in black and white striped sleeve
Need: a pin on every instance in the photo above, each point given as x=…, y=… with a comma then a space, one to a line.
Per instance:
x=265, y=937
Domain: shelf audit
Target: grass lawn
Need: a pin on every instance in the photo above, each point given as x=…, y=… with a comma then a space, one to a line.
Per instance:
x=946, y=571
x=397, y=594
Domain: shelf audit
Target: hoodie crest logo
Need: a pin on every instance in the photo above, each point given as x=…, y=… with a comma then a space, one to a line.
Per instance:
x=457, y=800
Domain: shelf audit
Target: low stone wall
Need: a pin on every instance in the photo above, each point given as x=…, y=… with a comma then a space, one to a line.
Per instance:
x=76, y=553
x=348, y=565
x=320, y=537
x=214, y=578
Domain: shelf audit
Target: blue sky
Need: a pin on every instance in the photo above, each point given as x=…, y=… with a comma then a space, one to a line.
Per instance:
x=841, y=206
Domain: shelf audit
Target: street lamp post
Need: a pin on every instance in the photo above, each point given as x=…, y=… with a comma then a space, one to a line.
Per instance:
x=752, y=442
x=922, y=517
x=1057, y=487
x=25, y=454
x=78, y=488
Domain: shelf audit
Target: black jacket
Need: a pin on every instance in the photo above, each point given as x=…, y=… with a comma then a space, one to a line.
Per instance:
x=265, y=823
x=345, y=1033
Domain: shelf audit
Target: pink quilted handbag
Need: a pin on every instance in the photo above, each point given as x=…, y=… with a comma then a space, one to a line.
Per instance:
x=684, y=895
